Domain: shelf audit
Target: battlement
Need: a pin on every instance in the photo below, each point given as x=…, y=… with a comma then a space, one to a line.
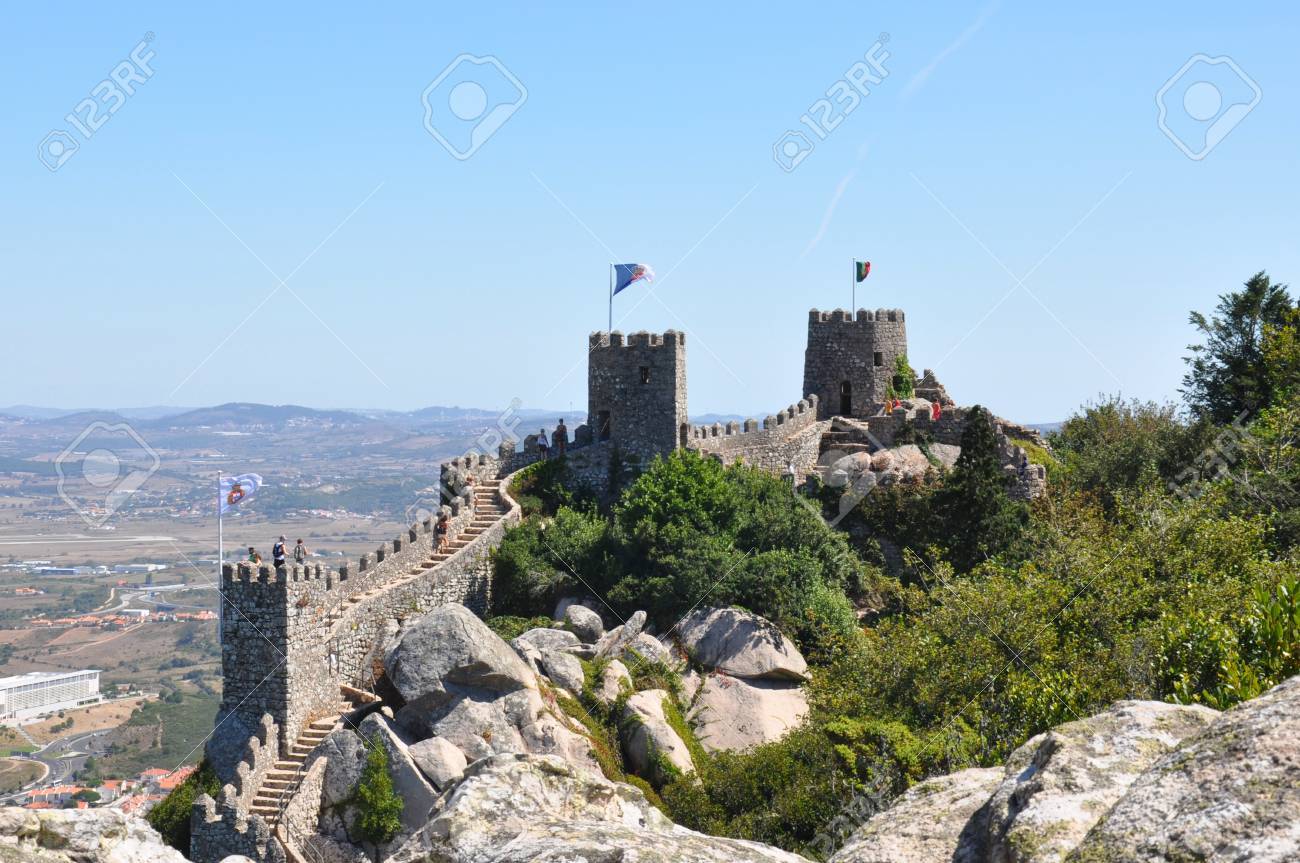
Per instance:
x=788, y=438
x=641, y=339
x=862, y=316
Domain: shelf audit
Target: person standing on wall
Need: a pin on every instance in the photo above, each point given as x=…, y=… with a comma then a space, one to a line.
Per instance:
x=542, y=446
x=300, y=553
x=278, y=553
x=253, y=557
x=561, y=438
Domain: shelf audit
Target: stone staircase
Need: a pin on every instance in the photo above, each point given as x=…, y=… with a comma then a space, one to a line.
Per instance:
x=488, y=510
x=283, y=779
x=847, y=436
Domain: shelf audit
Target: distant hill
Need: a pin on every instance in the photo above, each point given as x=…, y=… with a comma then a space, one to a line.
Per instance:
x=249, y=413
x=33, y=412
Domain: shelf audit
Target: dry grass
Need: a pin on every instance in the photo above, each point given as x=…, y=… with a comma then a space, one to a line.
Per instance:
x=94, y=718
x=17, y=772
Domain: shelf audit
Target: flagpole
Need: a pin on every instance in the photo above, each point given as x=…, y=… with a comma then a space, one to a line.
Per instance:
x=611, y=298
x=221, y=563
x=853, y=288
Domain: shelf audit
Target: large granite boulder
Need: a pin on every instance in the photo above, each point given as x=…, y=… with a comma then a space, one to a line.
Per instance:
x=653, y=749
x=564, y=670
x=447, y=650
x=440, y=760
x=1230, y=793
x=613, y=642
x=933, y=822
x=733, y=713
x=1058, y=784
x=527, y=809
x=584, y=623
x=80, y=836
x=614, y=681
x=741, y=644
x=345, y=758
x=544, y=638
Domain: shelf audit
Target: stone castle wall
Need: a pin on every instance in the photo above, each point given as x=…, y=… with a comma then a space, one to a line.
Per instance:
x=790, y=437
x=853, y=350
x=636, y=390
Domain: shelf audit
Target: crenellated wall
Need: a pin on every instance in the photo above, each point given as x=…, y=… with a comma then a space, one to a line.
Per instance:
x=788, y=438
x=849, y=360
x=636, y=391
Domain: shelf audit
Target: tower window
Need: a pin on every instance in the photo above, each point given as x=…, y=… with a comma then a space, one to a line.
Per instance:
x=645, y=374
x=878, y=359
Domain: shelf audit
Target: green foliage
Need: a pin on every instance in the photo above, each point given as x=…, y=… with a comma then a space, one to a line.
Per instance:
x=1221, y=660
x=545, y=486
x=379, y=808
x=979, y=521
x=1227, y=374
x=171, y=817
x=539, y=561
x=510, y=627
x=903, y=382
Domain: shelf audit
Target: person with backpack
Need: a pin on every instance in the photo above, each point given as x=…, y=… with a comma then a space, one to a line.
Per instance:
x=278, y=553
x=300, y=553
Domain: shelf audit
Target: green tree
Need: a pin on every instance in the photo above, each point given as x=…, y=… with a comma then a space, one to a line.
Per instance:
x=1227, y=374
x=380, y=808
x=171, y=817
x=904, y=380
x=978, y=520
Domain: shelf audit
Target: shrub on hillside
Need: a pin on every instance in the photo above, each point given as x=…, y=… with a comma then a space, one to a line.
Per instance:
x=171, y=817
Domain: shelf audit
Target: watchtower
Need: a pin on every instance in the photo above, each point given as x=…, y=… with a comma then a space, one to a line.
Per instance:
x=849, y=362
x=636, y=391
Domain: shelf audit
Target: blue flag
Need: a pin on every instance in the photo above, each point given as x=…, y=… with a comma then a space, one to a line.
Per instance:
x=625, y=275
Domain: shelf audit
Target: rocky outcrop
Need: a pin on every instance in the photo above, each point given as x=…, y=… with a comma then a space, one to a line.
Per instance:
x=733, y=713
x=439, y=760
x=741, y=644
x=1230, y=793
x=1058, y=784
x=1039, y=807
x=652, y=748
x=612, y=643
x=931, y=823
x=614, y=681
x=449, y=648
x=526, y=809
x=417, y=793
x=80, y=836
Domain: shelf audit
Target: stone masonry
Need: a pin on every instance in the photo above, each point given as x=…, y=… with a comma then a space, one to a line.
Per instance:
x=636, y=391
x=849, y=361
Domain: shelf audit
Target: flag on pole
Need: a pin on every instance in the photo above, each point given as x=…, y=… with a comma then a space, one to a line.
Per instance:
x=237, y=489
x=861, y=269
x=625, y=275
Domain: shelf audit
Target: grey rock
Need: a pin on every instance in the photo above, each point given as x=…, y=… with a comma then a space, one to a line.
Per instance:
x=564, y=670
x=418, y=796
x=529, y=809
x=653, y=749
x=741, y=644
x=613, y=642
x=451, y=647
x=614, y=681
x=545, y=639
x=1230, y=793
x=946, y=453
x=346, y=758
x=565, y=601
x=646, y=647
x=732, y=713
x=80, y=836
x=439, y=760
x=479, y=728
x=1058, y=784
x=584, y=623
x=930, y=823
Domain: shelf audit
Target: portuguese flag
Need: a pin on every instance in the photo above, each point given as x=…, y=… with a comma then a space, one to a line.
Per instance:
x=861, y=269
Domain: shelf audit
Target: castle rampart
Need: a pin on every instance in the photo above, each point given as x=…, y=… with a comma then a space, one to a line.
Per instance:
x=788, y=438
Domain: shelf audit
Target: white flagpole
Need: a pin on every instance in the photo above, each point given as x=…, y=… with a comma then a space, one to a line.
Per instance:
x=853, y=288
x=221, y=564
x=611, y=298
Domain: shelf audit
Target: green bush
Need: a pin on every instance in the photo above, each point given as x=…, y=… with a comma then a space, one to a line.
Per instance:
x=379, y=808
x=171, y=817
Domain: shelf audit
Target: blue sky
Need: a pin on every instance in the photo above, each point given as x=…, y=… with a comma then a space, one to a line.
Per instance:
x=1009, y=141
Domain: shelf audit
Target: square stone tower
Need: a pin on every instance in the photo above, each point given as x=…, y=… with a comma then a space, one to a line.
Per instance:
x=849, y=362
x=636, y=391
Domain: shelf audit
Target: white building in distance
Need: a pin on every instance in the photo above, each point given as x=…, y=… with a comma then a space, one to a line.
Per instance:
x=27, y=695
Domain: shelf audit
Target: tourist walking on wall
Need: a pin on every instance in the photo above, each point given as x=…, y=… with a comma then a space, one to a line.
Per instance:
x=440, y=531
x=935, y=410
x=542, y=446
x=278, y=553
x=300, y=553
x=253, y=556
x=561, y=437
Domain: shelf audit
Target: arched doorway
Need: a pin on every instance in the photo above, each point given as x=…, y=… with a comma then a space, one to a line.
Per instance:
x=846, y=399
x=685, y=435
